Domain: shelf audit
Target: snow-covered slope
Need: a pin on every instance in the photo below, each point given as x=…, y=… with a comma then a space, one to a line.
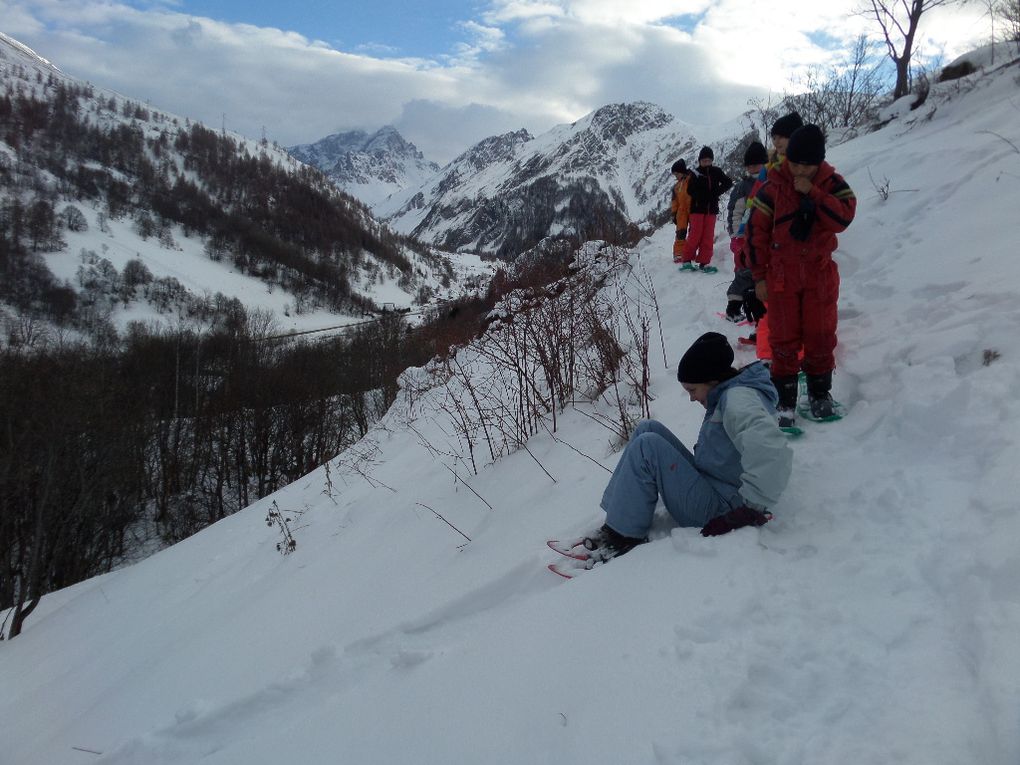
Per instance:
x=369, y=167
x=875, y=620
x=592, y=178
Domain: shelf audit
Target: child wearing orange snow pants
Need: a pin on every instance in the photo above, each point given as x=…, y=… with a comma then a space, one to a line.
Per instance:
x=680, y=206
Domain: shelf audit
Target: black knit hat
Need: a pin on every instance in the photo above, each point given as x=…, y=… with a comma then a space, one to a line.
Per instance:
x=679, y=167
x=706, y=153
x=709, y=358
x=755, y=154
x=807, y=146
x=787, y=124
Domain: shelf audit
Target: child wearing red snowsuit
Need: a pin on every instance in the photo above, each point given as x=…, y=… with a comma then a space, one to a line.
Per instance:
x=782, y=129
x=791, y=236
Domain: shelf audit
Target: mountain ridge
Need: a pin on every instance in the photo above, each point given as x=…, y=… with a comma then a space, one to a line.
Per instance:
x=604, y=176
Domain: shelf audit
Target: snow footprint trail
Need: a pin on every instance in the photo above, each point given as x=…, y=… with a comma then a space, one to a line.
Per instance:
x=219, y=733
x=214, y=733
x=518, y=583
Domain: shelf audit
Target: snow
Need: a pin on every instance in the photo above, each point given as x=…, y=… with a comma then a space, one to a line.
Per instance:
x=187, y=263
x=989, y=55
x=874, y=620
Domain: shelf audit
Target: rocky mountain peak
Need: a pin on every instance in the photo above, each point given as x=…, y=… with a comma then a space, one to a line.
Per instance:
x=617, y=122
x=494, y=149
x=368, y=166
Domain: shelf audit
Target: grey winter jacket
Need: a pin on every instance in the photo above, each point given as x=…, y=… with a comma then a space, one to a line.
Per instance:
x=740, y=449
x=738, y=204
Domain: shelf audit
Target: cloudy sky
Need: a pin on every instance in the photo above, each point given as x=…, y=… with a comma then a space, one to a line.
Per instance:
x=447, y=73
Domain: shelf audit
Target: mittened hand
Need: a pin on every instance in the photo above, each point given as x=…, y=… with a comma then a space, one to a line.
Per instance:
x=736, y=518
x=803, y=220
x=754, y=309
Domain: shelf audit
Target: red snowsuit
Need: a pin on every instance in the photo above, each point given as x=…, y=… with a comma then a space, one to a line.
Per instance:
x=790, y=241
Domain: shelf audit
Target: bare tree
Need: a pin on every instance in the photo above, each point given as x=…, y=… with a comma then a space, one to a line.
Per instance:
x=843, y=95
x=1008, y=12
x=762, y=115
x=899, y=20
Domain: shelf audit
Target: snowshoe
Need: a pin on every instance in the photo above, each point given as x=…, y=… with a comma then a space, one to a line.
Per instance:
x=817, y=413
x=572, y=549
x=820, y=405
x=587, y=552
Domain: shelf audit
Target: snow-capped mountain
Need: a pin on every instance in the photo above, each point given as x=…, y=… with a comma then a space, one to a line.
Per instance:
x=370, y=167
x=597, y=178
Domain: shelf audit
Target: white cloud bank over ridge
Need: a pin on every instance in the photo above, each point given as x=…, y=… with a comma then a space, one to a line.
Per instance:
x=521, y=63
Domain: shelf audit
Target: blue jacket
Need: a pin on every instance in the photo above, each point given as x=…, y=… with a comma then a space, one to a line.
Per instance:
x=740, y=449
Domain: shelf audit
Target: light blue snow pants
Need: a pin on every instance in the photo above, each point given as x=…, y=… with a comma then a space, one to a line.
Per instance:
x=656, y=464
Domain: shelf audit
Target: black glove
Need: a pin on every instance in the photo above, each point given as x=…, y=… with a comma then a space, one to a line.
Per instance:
x=681, y=234
x=736, y=518
x=754, y=309
x=804, y=220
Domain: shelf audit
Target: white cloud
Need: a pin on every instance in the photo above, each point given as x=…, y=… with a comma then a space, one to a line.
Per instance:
x=522, y=63
x=484, y=39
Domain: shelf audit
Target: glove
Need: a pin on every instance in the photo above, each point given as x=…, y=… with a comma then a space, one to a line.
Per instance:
x=804, y=220
x=754, y=309
x=736, y=518
x=681, y=234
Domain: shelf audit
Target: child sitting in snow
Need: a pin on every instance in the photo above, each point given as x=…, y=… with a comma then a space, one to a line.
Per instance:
x=739, y=466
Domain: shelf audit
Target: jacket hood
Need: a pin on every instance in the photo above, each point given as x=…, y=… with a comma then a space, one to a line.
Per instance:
x=755, y=376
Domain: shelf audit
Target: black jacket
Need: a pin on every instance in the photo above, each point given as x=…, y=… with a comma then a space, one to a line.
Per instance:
x=707, y=184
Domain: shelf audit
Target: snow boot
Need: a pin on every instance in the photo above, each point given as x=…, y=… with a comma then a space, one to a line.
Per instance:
x=707, y=269
x=687, y=266
x=819, y=398
x=786, y=410
x=606, y=544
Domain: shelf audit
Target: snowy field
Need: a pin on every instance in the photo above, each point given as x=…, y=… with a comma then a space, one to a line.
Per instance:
x=875, y=620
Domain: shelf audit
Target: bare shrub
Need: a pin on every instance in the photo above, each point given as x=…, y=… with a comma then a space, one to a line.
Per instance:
x=582, y=339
